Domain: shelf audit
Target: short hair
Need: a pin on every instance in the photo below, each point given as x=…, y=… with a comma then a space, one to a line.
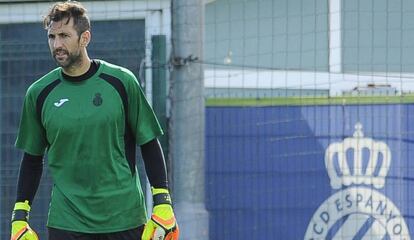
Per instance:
x=68, y=10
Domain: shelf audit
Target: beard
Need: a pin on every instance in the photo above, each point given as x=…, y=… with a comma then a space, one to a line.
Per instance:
x=72, y=59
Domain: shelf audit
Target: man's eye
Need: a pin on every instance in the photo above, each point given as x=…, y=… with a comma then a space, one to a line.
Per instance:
x=50, y=36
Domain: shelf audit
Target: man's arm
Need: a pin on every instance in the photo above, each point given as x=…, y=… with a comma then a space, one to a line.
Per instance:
x=154, y=164
x=31, y=169
x=162, y=224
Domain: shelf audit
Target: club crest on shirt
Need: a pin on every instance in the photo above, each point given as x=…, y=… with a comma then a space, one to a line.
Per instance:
x=97, y=100
x=357, y=168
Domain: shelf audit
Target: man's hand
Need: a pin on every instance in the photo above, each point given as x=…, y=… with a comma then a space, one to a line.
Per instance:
x=162, y=225
x=20, y=227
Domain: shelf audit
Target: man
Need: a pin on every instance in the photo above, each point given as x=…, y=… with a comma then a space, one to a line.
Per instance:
x=88, y=115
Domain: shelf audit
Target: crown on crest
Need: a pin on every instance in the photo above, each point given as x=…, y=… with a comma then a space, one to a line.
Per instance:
x=357, y=160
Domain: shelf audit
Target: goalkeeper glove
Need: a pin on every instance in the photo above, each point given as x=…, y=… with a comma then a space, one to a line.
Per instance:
x=20, y=227
x=162, y=225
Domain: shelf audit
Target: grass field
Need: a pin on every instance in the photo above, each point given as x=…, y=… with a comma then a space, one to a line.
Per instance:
x=299, y=101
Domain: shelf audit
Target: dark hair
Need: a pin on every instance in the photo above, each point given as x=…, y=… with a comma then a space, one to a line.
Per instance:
x=68, y=10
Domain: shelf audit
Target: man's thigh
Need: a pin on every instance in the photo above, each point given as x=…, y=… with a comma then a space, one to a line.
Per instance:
x=58, y=234
x=132, y=234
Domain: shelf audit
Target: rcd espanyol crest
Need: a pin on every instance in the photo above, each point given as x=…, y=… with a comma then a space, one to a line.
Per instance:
x=358, y=168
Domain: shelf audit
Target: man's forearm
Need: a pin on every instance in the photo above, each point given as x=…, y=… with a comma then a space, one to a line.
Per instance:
x=31, y=169
x=154, y=164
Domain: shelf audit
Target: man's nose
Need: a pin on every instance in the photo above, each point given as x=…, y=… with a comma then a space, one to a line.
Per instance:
x=57, y=43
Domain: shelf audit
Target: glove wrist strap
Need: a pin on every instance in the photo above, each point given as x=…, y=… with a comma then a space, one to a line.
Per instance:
x=21, y=211
x=22, y=206
x=20, y=215
x=161, y=198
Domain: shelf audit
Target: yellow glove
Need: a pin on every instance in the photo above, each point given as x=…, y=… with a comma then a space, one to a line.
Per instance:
x=20, y=228
x=162, y=225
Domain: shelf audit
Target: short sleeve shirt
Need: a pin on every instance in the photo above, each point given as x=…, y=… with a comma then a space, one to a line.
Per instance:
x=89, y=130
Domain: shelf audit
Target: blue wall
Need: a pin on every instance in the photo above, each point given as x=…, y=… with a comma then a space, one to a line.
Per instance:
x=265, y=170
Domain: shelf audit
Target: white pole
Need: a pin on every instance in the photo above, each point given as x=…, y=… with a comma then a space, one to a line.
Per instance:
x=335, y=36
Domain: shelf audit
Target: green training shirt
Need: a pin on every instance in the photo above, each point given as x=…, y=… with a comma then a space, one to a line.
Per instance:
x=89, y=130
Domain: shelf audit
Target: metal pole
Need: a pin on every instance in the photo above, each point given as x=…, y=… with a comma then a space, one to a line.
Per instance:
x=335, y=36
x=159, y=85
x=1, y=132
x=187, y=119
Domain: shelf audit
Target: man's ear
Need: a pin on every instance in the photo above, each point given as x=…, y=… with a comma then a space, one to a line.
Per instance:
x=85, y=38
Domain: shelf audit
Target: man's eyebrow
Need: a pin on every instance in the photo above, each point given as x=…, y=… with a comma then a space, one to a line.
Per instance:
x=60, y=34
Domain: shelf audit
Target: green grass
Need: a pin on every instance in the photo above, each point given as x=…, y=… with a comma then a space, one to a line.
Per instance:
x=299, y=101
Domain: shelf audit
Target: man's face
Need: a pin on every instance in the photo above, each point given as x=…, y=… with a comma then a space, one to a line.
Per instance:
x=64, y=43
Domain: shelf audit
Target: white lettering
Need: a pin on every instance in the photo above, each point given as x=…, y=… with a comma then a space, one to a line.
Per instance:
x=381, y=208
x=397, y=229
x=338, y=205
x=359, y=198
x=348, y=200
x=319, y=232
x=325, y=217
x=390, y=217
x=369, y=203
